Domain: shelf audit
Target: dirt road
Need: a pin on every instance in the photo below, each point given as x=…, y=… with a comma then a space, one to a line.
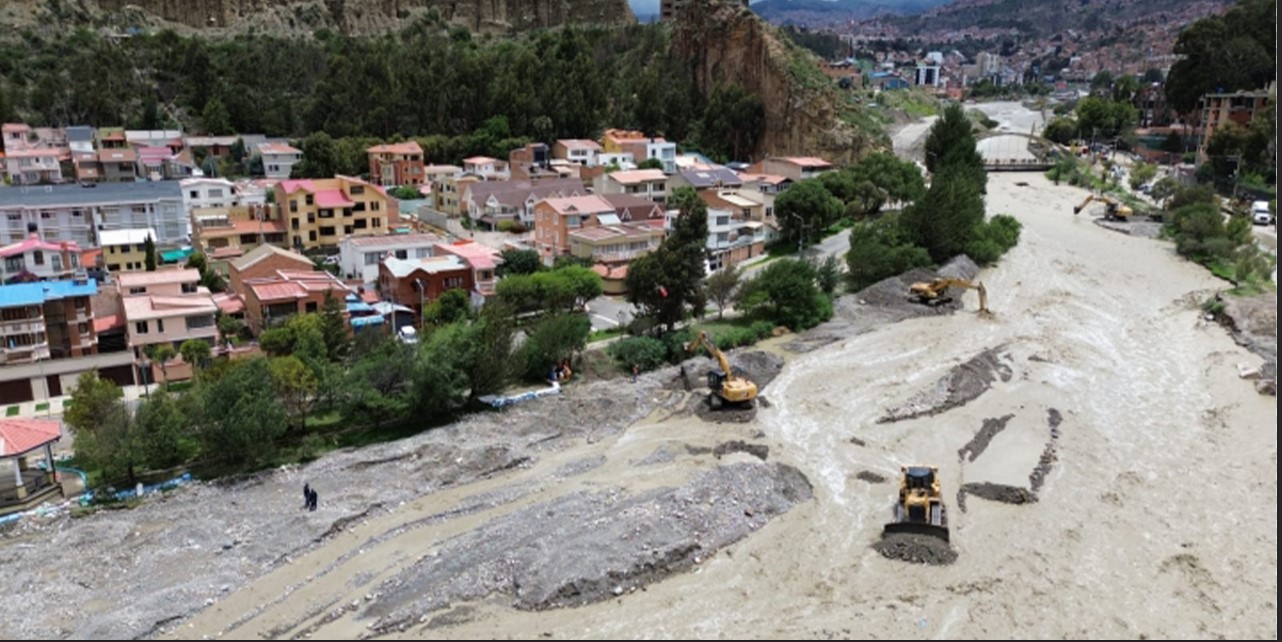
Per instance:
x=1148, y=472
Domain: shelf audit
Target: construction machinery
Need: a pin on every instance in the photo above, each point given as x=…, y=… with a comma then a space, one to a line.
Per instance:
x=920, y=508
x=724, y=385
x=935, y=291
x=1113, y=209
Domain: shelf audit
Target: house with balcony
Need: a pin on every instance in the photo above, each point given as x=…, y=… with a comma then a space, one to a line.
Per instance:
x=397, y=164
x=118, y=165
x=166, y=307
x=731, y=238
x=125, y=250
x=581, y=152
x=272, y=300
x=490, y=203
x=797, y=168
x=279, y=159
x=705, y=178
x=33, y=259
x=361, y=256
x=555, y=218
x=37, y=166
x=414, y=283
x=322, y=212
x=614, y=244
x=489, y=169
x=224, y=233
x=765, y=183
x=71, y=212
x=157, y=163
x=482, y=259
x=646, y=183
x=47, y=320
x=208, y=192
x=263, y=262
x=641, y=147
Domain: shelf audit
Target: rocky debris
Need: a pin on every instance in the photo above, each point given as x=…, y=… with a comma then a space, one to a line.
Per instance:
x=760, y=451
x=1253, y=323
x=918, y=549
x=882, y=303
x=979, y=443
x=661, y=455
x=999, y=492
x=1054, y=419
x=1267, y=387
x=1141, y=228
x=963, y=384
x=1050, y=454
x=726, y=415
x=870, y=477
x=757, y=366
x=857, y=441
x=586, y=547
x=576, y=468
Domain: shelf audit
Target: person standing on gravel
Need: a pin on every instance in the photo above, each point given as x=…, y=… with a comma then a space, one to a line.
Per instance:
x=307, y=495
x=636, y=370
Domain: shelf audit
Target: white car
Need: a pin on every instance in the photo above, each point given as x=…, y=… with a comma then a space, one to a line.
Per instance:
x=407, y=335
x=1260, y=214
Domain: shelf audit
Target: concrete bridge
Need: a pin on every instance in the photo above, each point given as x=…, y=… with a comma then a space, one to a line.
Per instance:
x=1006, y=151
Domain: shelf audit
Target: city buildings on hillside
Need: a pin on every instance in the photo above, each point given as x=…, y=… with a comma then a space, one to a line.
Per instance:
x=74, y=213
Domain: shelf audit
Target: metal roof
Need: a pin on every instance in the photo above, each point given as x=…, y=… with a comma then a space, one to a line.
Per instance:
x=12, y=296
x=103, y=193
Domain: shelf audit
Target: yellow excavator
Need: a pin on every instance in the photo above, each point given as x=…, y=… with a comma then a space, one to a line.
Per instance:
x=1113, y=210
x=935, y=291
x=919, y=509
x=726, y=387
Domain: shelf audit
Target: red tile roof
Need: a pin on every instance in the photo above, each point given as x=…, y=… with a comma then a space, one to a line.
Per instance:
x=33, y=242
x=102, y=324
x=229, y=303
x=333, y=198
x=18, y=436
x=396, y=148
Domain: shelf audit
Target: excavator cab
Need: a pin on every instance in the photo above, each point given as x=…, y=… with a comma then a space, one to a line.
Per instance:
x=724, y=387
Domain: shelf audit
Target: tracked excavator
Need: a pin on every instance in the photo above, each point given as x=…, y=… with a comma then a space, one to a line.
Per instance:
x=919, y=510
x=1113, y=210
x=726, y=388
x=935, y=291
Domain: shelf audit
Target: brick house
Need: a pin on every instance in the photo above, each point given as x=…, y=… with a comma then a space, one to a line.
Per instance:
x=271, y=300
x=414, y=283
x=555, y=218
x=396, y=164
x=262, y=262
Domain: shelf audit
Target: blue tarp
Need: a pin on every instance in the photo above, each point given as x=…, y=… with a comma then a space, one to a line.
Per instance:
x=360, y=322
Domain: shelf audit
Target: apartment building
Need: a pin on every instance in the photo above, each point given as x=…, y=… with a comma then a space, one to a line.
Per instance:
x=1220, y=110
x=321, y=212
x=35, y=259
x=396, y=164
x=361, y=256
x=47, y=320
x=72, y=212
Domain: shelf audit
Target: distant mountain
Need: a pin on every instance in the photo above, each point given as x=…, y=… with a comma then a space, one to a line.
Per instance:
x=818, y=13
x=1040, y=18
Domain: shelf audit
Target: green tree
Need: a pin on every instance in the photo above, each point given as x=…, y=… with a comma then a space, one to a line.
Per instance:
x=216, y=119
x=664, y=283
x=452, y=306
x=878, y=250
x=295, y=385
x=650, y=163
x=951, y=134
x=149, y=250
x=159, y=432
x=877, y=179
x=646, y=353
x=517, y=261
x=162, y=353
x=489, y=369
x=101, y=423
x=945, y=220
x=240, y=417
x=1164, y=188
x=439, y=383
x=805, y=210
x=195, y=352
x=1141, y=174
x=1224, y=54
x=320, y=157
x=828, y=275
x=553, y=340
x=785, y=293
x=1061, y=130
x=720, y=288
x=333, y=328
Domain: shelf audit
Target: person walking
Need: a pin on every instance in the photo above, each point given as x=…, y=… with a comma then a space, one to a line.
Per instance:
x=314, y=500
x=636, y=370
x=307, y=495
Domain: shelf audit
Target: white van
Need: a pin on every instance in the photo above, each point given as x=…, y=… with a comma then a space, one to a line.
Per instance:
x=1260, y=213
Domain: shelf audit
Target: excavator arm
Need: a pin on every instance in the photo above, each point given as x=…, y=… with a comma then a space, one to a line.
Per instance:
x=703, y=341
x=935, y=289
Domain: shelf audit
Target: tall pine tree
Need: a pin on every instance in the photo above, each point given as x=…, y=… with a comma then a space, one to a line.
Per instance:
x=668, y=280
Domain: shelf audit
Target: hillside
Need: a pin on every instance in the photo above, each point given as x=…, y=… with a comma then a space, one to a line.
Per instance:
x=827, y=13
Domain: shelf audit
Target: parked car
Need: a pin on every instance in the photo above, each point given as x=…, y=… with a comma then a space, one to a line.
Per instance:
x=1260, y=213
x=407, y=335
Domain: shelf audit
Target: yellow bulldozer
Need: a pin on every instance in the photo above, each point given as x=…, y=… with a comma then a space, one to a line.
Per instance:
x=935, y=291
x=726, y=388
x=919, y=510
x=1113, y=209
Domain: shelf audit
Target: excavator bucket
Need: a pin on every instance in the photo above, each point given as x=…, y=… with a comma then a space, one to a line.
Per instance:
x=937, y=527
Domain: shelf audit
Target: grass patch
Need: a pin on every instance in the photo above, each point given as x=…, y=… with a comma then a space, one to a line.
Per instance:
x=42, y=406
x=179, y=386
x=12, y=411
x=602, y=335
x=323, y=421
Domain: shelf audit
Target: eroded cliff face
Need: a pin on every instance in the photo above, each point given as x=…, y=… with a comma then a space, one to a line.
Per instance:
x=371, y=16
x=726, y=42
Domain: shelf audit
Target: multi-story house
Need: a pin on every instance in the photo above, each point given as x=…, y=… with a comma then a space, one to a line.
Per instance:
x=705, y=178
x=416, y=282
x=218, y=147
x=125, y=250
x=72, y=212
x=765, y=183
x=492, y=202
x=34, y=166
x=360, y=256
x=614, y=244
x=1219, y=110
x=635, y=209
x=396, y=164
x=321, y=212
x=555, y=218
x=208, y=192
x=578, y=151
x=34, y=259
x=272, y=300
x=118, y=165
x=166, y=307
x=732, y=238
x=263, y=262
x=490, y=169
x=641, y=147
x=797, y=168
x=227, y=232
x=646, y=183
x=279, y=159
x=47, y=320
x=448, y=191
x=484, y=261
x=163, y=163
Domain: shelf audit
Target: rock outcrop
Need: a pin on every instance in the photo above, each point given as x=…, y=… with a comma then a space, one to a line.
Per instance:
x=726, y=42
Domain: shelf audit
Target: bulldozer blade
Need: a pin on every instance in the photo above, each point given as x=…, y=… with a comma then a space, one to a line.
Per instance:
x=916, y=528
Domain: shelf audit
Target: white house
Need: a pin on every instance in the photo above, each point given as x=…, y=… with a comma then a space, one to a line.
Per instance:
x=208, y=192
x=488, y=168
x=663, y=151
x=624, y=160
x=359, y=256
x=33, y=166
x=46, y=261
x=279, y=159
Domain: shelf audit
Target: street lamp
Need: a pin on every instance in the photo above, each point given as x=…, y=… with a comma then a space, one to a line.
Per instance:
x=422, y=319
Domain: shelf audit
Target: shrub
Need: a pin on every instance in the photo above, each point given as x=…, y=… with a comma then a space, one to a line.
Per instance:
x=878, y=251
x=645, y=352
x=512, y=226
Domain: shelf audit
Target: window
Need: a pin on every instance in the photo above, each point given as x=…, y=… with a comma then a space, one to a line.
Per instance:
x=374, y=206
x=216, y=193
x=142, y=290
x=378, y=222
x=140, y=327
x=39, y=257
x=293, y=205
x=311, y=306
x=453, y=282
x=359, y=223
x=401, y=254
x=293, y=223
x=357, y=190
x=423, y=252
x=311, y=235
x=83, y=327
x=139, y=209
x=373, y=258
x=202, y=321
x=273, y=168
x=347, y=229
x=160, y=326
x=193, y=194
x=14, y=264
x=359, y=206
x=189, y=288
x=310, y=201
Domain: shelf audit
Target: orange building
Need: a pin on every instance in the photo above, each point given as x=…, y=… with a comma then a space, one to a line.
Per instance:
x=396, y=164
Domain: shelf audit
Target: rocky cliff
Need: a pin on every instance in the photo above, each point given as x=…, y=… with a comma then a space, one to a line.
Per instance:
x=367, y=16
x=724, y=42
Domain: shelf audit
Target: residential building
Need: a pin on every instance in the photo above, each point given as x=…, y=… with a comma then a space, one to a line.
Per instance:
x=434, y=173
x=580, y=151
x=47, y=320
x=633, y=208
x=766, y=183
x=641, y=147
x=1218, y=110
x=171, y=138
x=26, y=441
x=125, y=250
x=396, y=164
x=218, y=147
x=16, y=136
x=112, y=138
x=483, y=260
x=34, y=259
x=705, y=178
x=33, y=166
x=72, y=213
x=224, y=233
x=361, y=256
x=448, y=191
x=208, y=192
x=166, y=307
x=163, y=163
x=263, y=262
x=492, y=202
x=731, y=238
x=272, y=300
x=619, y=160
x=416, y=282
x=490, y=169
x=926, y=75
x=744, y=208
x=321, y=212
x=646, y=183
x=796, y=168
x=86, y=166
x=118, y=165
x=279, y=159
x=555, y=218
x=614, y=244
